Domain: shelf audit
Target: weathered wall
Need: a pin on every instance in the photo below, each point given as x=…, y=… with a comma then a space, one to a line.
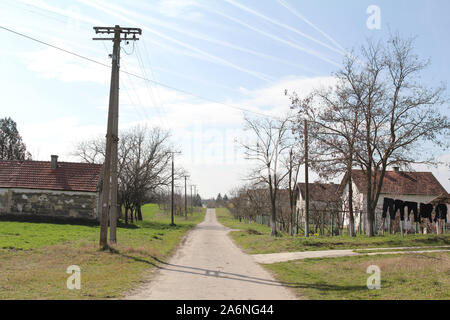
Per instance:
x=61, y=204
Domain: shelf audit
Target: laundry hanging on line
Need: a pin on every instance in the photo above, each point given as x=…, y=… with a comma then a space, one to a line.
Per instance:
x=426, y=211
x=412, y=206
x=388, y=205
x=399, y=205
x=441, y=212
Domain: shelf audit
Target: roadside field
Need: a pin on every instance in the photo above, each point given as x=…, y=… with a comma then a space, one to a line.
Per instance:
x=407, y=276
x=34, y=256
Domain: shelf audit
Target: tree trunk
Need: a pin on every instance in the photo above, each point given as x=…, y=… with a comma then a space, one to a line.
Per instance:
x=131, y=214
x=350, y=205
x=273, y=219
x=139, y=213
x=273, y=194
x=370, y=232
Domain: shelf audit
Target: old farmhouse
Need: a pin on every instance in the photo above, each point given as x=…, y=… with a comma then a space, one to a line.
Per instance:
x=420, y=187
x=49, y=189
x=324, y=202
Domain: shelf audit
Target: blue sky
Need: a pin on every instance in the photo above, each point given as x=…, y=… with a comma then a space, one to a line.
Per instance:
x=240, y=52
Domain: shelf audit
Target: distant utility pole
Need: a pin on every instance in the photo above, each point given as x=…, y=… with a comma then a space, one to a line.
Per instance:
x=110, y=180
x=193, y=196
x=173, y=184
x=306, y=182
x=192, y=202
x=185, y=197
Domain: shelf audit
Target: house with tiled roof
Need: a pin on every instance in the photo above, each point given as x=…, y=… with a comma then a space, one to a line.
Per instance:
x=50, y=189
x=324, y=201
x=420, y=187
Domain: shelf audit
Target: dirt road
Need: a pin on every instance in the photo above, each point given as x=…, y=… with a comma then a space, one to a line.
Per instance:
x=209, y=266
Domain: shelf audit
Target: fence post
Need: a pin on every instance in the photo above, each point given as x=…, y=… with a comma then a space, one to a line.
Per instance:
x=332, y=229
x=322, y=225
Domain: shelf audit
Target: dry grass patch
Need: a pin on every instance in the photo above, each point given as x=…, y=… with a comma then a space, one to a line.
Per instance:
x=407, y=276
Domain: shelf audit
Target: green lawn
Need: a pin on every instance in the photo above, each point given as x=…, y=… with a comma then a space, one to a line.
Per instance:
x=408, y=276
x=34, y=256
x=255, y=238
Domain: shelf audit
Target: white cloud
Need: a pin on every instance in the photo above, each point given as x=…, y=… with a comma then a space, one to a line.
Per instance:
x=57, y=136
x=178, y=9
x=49, y=63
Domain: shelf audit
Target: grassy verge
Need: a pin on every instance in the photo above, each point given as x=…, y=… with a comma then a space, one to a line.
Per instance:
x=405, y=249
x=34, y=256
x=408, y=276
x=255, y=238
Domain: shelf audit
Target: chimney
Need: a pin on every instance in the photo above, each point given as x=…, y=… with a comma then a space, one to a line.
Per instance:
x=397, y=169
x=54, y=162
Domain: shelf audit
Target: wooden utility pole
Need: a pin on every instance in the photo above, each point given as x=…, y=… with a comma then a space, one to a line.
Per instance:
x=192, y=200
x=193, y=197
x=171, y=205
x=173, y=186
x=110, y=179
x=306, y=182
x=185, y=197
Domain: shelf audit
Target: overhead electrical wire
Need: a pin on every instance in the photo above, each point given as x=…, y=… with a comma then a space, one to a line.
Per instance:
x=242, y=109
x=147, y=55
x=128, y=94
x=148, y=87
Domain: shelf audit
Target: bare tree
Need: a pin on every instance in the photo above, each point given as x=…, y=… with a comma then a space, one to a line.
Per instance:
x=272, y=140
x=386, y=112
x=144, y=157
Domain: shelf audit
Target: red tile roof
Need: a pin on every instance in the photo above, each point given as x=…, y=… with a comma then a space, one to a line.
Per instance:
x=326, y=192
x=68, y=176
x=403, y=182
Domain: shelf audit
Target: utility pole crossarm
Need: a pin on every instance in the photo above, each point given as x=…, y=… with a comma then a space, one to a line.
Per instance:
x=122, y=30
x=132, y=32
x=112, y=39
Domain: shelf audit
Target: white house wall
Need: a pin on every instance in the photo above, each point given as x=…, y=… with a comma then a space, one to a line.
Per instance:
x=360, y=201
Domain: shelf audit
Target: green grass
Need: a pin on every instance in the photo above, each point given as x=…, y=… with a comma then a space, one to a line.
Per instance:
x=225, y=218
x=26, y=235
x=408, y=276
x=34, y=256
x=407, y=249
x=261, y=242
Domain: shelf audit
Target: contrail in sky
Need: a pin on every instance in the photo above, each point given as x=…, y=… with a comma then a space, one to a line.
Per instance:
x=275, y=22
x=274, y=37
x=206, y=38
x=103, y=7
x=296, y=13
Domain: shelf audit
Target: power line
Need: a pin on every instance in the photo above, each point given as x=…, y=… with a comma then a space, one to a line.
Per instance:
x=148, y=87
x=132, y=103
x=140, y=77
